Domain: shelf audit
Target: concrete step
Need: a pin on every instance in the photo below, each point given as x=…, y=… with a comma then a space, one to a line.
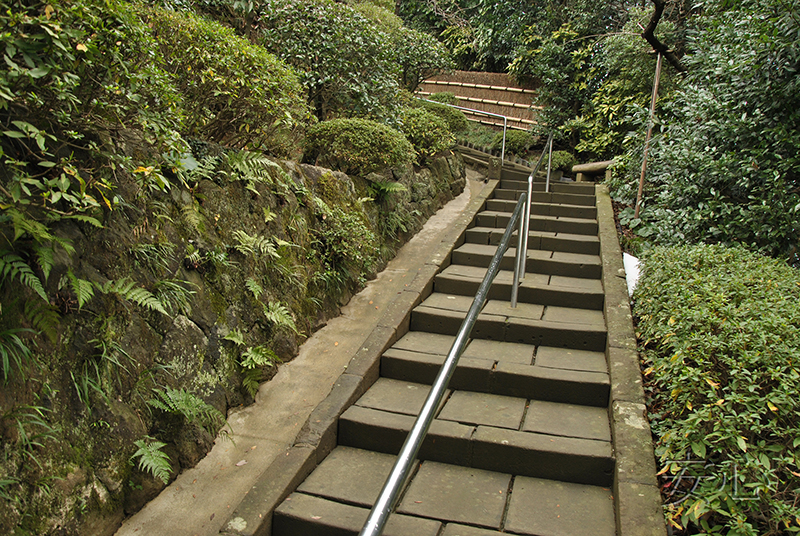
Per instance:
x=539, y=261
x=545, y=209
x=563, y=327
x=441, y=499
x=538, y=222
x=539, y=289
x=585, y=188
x=566, y=242
x=511, y=369
x=561, y=198
x=462, y=437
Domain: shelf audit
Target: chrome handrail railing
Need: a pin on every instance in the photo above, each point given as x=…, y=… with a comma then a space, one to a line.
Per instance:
x=383, y=506
x=523, y=258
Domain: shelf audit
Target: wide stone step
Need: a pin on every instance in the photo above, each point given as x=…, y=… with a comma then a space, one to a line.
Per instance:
x=441, y=499
x=538, y=222
x=455, y=439
x=536, y=324
x=562, y=198
x=566, y=242
x=583, y=188
x=539, y=261
x=540, y=372
x=545, y=209
x=539, y=289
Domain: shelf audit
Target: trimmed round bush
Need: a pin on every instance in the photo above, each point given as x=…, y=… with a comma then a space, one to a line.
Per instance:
x=235, y=93
x=356, y=146
x=563, y=160
x=518, y=142
x=445, y=97
x=455, y=119
x=427, y=132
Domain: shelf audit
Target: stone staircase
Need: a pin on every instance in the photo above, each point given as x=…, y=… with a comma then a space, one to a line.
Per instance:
x=536, y=435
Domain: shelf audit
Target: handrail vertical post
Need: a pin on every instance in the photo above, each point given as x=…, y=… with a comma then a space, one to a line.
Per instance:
x=503, y=152
x=527, y=222
x=519, y=261
x=549, y=162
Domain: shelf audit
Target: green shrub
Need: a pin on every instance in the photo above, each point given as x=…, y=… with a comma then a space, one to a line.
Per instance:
x=357, y=146
x=419, y=56
x=562, y=160
x=455, y=119
x=236, y=93
x=518, y=142
x=721, y=339
x=428, y=133
x=445, y=97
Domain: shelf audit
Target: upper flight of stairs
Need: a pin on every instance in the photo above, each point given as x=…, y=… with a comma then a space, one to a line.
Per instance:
x=541, y=432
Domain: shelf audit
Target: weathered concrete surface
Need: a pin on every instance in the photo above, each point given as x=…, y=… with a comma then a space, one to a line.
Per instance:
x=201, y=499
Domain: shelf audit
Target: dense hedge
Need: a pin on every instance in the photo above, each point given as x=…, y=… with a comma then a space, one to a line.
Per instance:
x=518, y=142
x=455, y=119
x=427, y=132
x=357, y=146
x=235, y=93
x=721, y=342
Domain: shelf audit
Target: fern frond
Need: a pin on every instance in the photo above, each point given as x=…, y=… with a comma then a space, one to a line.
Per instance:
x=127, y=289
x=280, y=316
x=253, y=286
x=174, y=295
x=43, y=317
x=254, y=245
x=250, y=381
x=83, y=289
x=235, y=336
x=86, y=219
x=269, y=215
x=151, y=459
x=193, y=218
x=253, y=167
x=191, y=407
x=23, y=224
x=259, y=356
x=12, y=265
x=44, y=256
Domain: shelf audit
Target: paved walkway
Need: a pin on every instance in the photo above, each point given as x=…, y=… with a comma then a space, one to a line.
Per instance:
x=200, y=501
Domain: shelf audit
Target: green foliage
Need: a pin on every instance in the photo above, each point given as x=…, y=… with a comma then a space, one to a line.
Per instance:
x=157, y=258
x=127, y=289
x=253, y=360
x=32, y=430
x=427, y=132
x=13, y=267
x=258, y=246
x=518, y=142
x=724, y=168
x=280, y=316
x=342, y=243
x=190, y=407
x=345, y=61
x=381, y=190
x=562, y=160
x=419, y=57
x=357, y=146
x=174, y=295
x=445, y=97
x=455, y=119
x=14, y=352
x=152, y=459
x=721, y=340
x=235, y=93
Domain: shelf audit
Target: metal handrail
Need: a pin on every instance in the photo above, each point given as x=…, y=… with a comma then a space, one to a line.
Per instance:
x=503, y=117
x=524, y=257
x=383, y=506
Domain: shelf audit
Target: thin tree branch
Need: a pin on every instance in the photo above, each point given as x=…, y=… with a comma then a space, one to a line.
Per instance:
x=650, y=37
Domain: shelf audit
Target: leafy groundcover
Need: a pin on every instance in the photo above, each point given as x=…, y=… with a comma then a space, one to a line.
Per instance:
x=720, y=339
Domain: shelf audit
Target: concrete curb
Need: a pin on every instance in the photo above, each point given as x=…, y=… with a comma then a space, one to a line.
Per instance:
x=317, y=437
x=638, y=499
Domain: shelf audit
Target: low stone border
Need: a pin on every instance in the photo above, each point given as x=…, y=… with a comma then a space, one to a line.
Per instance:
x=636, y=493
x=317, y=437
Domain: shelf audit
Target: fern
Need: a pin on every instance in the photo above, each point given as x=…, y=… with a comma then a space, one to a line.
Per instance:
x=381, y=190
x=259, y=356
x=254, y=245
x=151, y=459
x=33, y=431
x=253, y=167
x=82, y=288
x=193, y=217
x=191, y=407
x=12, y=265
x=43, y=317
x=253, y=286
x=252, y=361
x=269, y=215
x=280, y=316
x=44, y=256
x=127, y=289
x=156, y=257
x=86, y=219
x=235, y=336
x=174, y=296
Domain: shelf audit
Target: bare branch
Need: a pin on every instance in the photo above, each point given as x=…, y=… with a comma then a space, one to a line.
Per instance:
x=650, y=37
